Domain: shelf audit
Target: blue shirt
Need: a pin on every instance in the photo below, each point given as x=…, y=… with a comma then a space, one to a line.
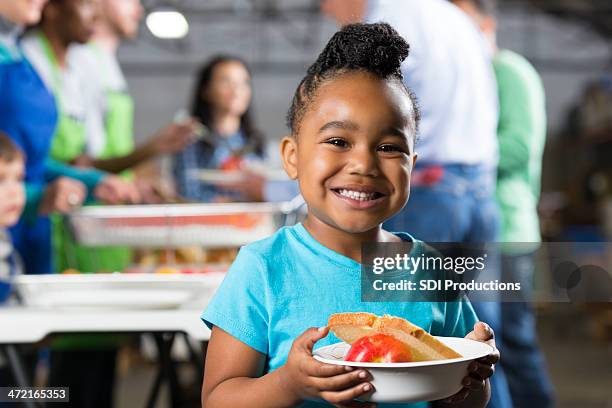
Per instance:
x=280, y=286
x=203, y=155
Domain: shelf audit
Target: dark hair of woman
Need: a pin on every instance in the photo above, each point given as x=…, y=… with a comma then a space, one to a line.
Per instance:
x=203, y=109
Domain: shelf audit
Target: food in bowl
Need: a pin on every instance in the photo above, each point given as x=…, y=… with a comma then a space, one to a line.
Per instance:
x=386, y=339
x=412, y=381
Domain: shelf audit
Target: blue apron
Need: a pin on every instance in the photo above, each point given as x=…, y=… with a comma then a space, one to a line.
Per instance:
x=28, y=115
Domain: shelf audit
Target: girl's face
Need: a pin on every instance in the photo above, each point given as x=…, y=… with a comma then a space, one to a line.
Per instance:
x=23, y=12
x=229, y=91
x=353, y=154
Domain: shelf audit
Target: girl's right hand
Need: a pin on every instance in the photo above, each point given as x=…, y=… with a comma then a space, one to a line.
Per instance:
x=303, y=377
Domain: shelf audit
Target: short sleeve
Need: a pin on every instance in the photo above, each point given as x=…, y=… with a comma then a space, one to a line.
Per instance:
x=460, y=318
x=239, y=305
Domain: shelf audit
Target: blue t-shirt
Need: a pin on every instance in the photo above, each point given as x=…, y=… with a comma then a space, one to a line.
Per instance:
x=280, y=286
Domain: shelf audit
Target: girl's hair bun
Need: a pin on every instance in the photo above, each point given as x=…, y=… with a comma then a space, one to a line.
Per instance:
x=375, y=48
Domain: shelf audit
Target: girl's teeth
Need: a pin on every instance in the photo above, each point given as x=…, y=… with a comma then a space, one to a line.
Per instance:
x=357, y=195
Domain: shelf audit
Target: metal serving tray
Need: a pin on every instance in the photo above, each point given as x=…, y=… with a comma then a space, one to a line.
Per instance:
x=176, y=225
x=118, y=290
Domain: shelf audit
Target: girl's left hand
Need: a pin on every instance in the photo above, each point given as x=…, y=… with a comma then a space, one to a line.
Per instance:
x=479, y=370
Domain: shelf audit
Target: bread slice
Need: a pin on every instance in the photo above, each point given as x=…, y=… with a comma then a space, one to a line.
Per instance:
x=350, y=327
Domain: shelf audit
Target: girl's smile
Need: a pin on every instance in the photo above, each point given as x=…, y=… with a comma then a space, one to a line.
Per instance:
x=360, y=196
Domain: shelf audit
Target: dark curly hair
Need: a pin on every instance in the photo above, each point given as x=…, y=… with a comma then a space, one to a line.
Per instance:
x=374, y=48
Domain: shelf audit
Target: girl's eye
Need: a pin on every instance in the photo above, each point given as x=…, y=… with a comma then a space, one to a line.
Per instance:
x=388, y=148
x=337, y=142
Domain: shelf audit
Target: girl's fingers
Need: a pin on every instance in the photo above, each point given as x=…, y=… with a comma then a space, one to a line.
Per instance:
x=458, y=397
x=481, y=370
x=307, y=340
x=492, y=358
x=470, y=383
x=482, y=332
x=343, y=397
x=341, y=382
x=473, y=383
x=314, y=368
x=356, y=404
x=316, y=334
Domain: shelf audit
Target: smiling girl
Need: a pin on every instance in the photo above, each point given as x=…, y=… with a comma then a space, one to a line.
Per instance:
x=353, y=127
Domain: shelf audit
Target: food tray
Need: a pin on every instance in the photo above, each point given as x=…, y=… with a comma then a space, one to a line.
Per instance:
x=177, y=225
x=118, y=291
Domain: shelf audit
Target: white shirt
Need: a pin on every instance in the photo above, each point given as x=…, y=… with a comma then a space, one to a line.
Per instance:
x=65, y=83
x=101, y=73
x=449, y=69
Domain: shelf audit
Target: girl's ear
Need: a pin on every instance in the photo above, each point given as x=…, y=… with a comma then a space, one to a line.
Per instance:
x=289, y=153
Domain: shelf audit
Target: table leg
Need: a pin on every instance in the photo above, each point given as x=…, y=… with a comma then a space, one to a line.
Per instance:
x=196, y=359
x=167, y=370
x=155, y=390
x=16, y=366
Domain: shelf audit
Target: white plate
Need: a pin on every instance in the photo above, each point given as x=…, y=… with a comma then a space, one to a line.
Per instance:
x=221, y=177
x=218, y=176
x=415, y=381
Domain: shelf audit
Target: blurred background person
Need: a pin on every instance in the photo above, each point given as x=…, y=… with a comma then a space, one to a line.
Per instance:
x=12, y=172
x=521, y=133
x=66, y=22
x=222, y=103
x=452, y=194
x=86, y=364
x=109, y=143
x=29, y=116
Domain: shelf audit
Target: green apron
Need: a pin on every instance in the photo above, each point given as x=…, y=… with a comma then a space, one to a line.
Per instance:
x=69, y=139
x=68, y=144
x=119, y=142
x=119, y=124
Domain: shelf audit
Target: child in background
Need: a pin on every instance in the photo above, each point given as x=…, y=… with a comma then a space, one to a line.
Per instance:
x=11, y=205
x=353, y=128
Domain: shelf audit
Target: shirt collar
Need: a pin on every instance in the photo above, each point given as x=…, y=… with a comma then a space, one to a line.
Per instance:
x=9, y=34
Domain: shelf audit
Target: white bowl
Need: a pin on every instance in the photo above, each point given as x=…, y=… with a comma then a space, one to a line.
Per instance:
x=413, y=382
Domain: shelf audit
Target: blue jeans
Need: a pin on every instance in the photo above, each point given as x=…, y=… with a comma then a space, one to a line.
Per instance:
x=460, y=207
x=522, y=360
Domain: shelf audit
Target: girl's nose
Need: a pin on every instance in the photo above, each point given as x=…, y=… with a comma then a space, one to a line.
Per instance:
x=363, y=162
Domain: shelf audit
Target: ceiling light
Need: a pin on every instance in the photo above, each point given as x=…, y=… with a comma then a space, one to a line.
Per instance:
x=167, y=24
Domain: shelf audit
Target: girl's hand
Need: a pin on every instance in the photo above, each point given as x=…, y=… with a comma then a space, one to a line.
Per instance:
x=303, y=377
x=479, y=370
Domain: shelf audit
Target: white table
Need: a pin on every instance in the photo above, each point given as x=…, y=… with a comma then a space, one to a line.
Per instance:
x=19, y=325
x=27, y=325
